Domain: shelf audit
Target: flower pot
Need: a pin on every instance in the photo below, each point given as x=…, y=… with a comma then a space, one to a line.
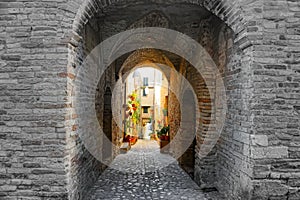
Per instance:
x=163, y=146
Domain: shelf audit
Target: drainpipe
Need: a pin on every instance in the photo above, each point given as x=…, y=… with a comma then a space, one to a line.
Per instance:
x=154, y=84
x=124, y=107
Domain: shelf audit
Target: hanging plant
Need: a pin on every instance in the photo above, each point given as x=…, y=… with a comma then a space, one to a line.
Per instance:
x=134, y=108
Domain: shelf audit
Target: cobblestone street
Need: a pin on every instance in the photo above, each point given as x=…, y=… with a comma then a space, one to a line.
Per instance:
x=145, y=180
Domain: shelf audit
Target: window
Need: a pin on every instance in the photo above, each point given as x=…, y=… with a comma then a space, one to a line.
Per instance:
x=145, y=109
x=145, y=81
x=146, y=89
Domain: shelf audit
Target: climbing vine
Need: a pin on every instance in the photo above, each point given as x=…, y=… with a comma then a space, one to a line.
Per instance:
x=134, y=108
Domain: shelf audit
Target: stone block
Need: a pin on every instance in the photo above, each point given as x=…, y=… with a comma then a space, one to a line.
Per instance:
x=259, y=140
x=268, y=188
x=269, y=152
x=10, y=57
x=8, y=188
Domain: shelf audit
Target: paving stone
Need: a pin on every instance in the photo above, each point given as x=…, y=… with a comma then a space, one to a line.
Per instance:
x=145, y=179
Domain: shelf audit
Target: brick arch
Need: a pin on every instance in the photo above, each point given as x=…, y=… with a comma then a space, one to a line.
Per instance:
x=230, y=12
x=143, y=56
x=152, y=19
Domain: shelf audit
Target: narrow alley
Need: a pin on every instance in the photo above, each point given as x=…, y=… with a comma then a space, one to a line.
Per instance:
x=144, y=178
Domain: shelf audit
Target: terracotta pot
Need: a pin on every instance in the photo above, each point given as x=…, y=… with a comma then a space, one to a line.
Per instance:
x=164, y=138
x=163, y=148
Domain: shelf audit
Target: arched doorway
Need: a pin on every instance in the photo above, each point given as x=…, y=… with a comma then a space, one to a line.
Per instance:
x=107, y=125
x=200, y=28
x=188, y=118
x=258, y=149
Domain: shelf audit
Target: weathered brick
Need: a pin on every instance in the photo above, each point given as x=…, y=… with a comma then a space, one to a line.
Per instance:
x=10, y=57
x=260, y=140
x=8, y=188
x=270, y=152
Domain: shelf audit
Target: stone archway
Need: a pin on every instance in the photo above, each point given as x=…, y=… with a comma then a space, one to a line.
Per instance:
x=159, y=59
x=204, y=168
x=41, y=47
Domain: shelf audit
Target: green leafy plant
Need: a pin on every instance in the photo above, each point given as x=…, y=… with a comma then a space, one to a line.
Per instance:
x=163, y=133
x=134, y=106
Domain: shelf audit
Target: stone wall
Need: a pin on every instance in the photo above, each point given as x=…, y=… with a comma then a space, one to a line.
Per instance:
x=83, y=168
x=234, y=159
x=33, y=60
x=205, y=167
x=275, y=100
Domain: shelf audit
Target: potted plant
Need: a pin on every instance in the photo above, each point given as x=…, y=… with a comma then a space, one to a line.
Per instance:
x=164, y=138
x=153, y=136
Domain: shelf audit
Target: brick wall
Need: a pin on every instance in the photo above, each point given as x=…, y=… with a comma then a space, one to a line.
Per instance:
x=33, y=84
x=275, y=104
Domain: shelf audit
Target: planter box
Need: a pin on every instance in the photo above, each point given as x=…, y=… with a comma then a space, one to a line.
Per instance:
x=125, y=147
x=163, y=144
x=131, y=139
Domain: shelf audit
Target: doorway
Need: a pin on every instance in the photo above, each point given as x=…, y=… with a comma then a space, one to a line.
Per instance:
x=107, y=125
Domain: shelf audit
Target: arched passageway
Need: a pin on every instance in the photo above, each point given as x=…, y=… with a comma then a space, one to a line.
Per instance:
x=45, y=118
x=216, y=38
